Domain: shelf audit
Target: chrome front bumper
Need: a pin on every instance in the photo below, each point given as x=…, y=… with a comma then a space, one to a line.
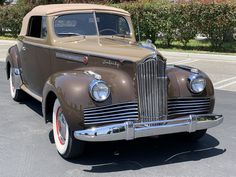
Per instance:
x=130, y=130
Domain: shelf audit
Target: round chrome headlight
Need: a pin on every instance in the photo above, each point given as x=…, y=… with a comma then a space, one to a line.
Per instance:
x=197, y=84
x=99, y=90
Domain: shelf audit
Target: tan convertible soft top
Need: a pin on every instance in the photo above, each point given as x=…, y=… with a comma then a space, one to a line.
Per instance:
x=51, y=9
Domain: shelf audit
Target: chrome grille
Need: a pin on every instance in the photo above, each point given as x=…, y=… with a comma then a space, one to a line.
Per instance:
x=152, y=90
x=187, y=106
x=112, y=113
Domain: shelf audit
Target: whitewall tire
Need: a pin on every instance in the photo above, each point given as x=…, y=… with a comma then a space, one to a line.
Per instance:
x=60, y=128
x=12, y=88
x=67, y=146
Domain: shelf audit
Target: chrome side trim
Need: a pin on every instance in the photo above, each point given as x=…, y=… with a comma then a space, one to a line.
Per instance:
x=37, y=97
x=130, y=130
x=71, y=57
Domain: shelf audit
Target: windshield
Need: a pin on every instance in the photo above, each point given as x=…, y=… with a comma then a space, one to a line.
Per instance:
x=84, y=24
x=110, y=24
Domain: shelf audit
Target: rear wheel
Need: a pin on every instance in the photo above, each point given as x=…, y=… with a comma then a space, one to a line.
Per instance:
x=16, y=94
x=67, y=146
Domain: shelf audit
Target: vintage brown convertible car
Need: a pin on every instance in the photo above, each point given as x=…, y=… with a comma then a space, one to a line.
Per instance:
x=96, y=83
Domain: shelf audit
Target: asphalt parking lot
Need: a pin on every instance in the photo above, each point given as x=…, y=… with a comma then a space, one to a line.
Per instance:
x=27, y=148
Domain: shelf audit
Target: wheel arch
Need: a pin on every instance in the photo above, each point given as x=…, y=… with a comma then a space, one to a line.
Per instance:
x=48, y=106
x=12, y=60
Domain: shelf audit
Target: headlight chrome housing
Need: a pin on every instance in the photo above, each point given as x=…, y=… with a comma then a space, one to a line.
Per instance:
x=197, y=83
x=99, y=90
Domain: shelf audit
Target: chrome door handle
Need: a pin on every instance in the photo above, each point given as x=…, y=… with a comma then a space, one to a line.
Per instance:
x=23, y=48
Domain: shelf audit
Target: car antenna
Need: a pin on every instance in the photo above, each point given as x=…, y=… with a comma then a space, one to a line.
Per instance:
x=139, y=38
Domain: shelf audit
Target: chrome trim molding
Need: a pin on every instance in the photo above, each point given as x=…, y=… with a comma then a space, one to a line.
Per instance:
x=130, y=130
x=69, y=56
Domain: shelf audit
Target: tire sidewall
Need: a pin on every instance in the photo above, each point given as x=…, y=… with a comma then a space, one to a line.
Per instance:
x=12, y=89
x=61, y=148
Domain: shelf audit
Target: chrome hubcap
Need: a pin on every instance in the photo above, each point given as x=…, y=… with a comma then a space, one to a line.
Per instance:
x=61, y=126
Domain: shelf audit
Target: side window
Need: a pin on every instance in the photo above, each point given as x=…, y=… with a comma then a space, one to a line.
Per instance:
x=37, y=27
x=44, y=28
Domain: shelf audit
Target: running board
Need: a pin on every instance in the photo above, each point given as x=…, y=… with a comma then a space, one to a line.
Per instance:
x=25, y=89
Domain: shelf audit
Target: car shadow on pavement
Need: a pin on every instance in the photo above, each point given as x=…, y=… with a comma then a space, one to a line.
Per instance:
x=106, y=157
x=103, y=157
x=33, y=104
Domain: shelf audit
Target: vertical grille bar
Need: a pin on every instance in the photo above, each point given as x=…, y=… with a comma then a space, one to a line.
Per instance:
x=152, y=89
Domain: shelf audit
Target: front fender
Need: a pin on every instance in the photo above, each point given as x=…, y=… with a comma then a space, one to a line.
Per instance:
x=71, y=88
x=178, y=84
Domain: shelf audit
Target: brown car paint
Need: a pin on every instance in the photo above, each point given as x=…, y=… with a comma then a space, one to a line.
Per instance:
x=51, y=69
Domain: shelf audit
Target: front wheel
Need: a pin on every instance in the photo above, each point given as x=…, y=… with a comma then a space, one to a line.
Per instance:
x=67, y=146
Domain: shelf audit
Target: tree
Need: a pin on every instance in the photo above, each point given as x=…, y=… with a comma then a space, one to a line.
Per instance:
x=2, y=2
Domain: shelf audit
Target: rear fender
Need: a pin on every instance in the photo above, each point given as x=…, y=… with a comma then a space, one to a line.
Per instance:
x=13, y=61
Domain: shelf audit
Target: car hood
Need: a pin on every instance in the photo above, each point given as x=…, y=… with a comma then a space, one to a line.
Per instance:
x=117, y=48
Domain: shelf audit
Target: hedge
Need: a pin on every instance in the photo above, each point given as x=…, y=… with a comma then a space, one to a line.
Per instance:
x=157, y=21
x=181, y=22
x=11, y=18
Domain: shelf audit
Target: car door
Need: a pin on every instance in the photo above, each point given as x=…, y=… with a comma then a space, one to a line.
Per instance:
x=35, y=59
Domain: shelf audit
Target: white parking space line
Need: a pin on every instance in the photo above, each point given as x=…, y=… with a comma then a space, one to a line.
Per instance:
x=184, y=61
x=178, y=61
x=221, y=61
x=225, y=80
x=226, y=85
x=187, y=62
